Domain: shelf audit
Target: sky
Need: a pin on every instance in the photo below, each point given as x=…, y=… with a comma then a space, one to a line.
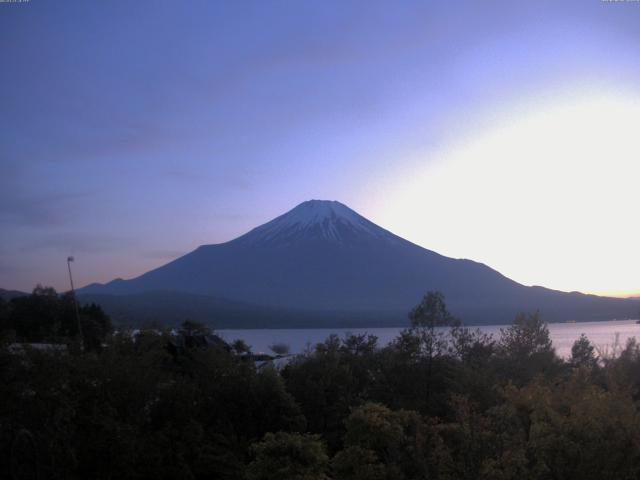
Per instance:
x=503, y=132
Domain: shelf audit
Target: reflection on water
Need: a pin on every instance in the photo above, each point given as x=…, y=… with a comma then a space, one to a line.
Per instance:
x=601, y=334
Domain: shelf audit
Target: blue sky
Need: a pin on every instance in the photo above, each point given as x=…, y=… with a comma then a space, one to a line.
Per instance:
x=132, y=132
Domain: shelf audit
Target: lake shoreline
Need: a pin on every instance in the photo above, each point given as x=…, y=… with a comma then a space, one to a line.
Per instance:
x=603, y=334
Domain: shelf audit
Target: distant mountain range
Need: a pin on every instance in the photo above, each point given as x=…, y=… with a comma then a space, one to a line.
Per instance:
x=9, y=294
x=322, y=264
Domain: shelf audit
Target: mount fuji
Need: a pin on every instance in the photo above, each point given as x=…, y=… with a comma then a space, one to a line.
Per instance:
x=323, y=264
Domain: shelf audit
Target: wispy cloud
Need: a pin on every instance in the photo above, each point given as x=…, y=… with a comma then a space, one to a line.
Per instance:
x=39, y=210
x=73, y=242
x=162, y=254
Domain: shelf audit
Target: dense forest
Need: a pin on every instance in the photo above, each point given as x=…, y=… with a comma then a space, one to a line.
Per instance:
x=433, y=404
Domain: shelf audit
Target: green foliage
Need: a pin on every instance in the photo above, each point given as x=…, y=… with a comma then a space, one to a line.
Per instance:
x=96, y=326
x=409, y=377
x=288, y=455
x=279, y=348
x=431, y=312
x=189, y=328
x=623, y=372
x=329, y=380
x=527, y=336
x=578, y=430
x=583, y=354
x=385, y=444
x=189, y=406
x=423, y=348
x=136, y=410
x=525, y=350
x=45, y=316
x=240, y=346
x=472, y=347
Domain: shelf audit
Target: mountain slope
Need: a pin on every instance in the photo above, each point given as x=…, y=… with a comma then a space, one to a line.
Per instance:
x=323, y=257
x=9, y=294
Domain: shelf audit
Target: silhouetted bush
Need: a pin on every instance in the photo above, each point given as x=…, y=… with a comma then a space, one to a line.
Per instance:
x=184, y=404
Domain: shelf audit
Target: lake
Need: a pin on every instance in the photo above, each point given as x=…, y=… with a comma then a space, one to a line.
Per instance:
x=603, y=335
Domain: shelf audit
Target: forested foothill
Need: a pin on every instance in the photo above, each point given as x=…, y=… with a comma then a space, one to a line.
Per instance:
x=435, y=403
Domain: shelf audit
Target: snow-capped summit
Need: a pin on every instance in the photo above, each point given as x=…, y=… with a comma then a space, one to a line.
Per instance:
x=317, y=211
x=327, y=220
x=323, y=261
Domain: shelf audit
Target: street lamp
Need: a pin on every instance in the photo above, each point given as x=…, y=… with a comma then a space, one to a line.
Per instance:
x=75, y=303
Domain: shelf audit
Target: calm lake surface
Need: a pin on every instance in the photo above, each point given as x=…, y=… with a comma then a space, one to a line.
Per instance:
x=604, y=335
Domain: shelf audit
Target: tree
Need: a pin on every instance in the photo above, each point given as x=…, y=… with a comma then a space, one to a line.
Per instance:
x=359, y=345
x=384, y=444
x=45, y=316
x=325, y=384
x=527, y=336
x=577, y=430
x=279, y=348
x=583, y=353
x=525, y=350
x=96, y=325
x=37, y=317
x=430, y=313
x=472, y=347
x=623, y=371
x=240, y=346
x=189, y=328
x=291, y=456
x=7, y=333
x=473, y=373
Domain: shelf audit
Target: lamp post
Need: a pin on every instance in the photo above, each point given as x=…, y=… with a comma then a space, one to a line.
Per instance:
x=75, y=303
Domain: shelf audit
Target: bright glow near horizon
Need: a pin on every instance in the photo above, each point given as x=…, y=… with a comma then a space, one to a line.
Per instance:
x=548, y=196
x=503, y=132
